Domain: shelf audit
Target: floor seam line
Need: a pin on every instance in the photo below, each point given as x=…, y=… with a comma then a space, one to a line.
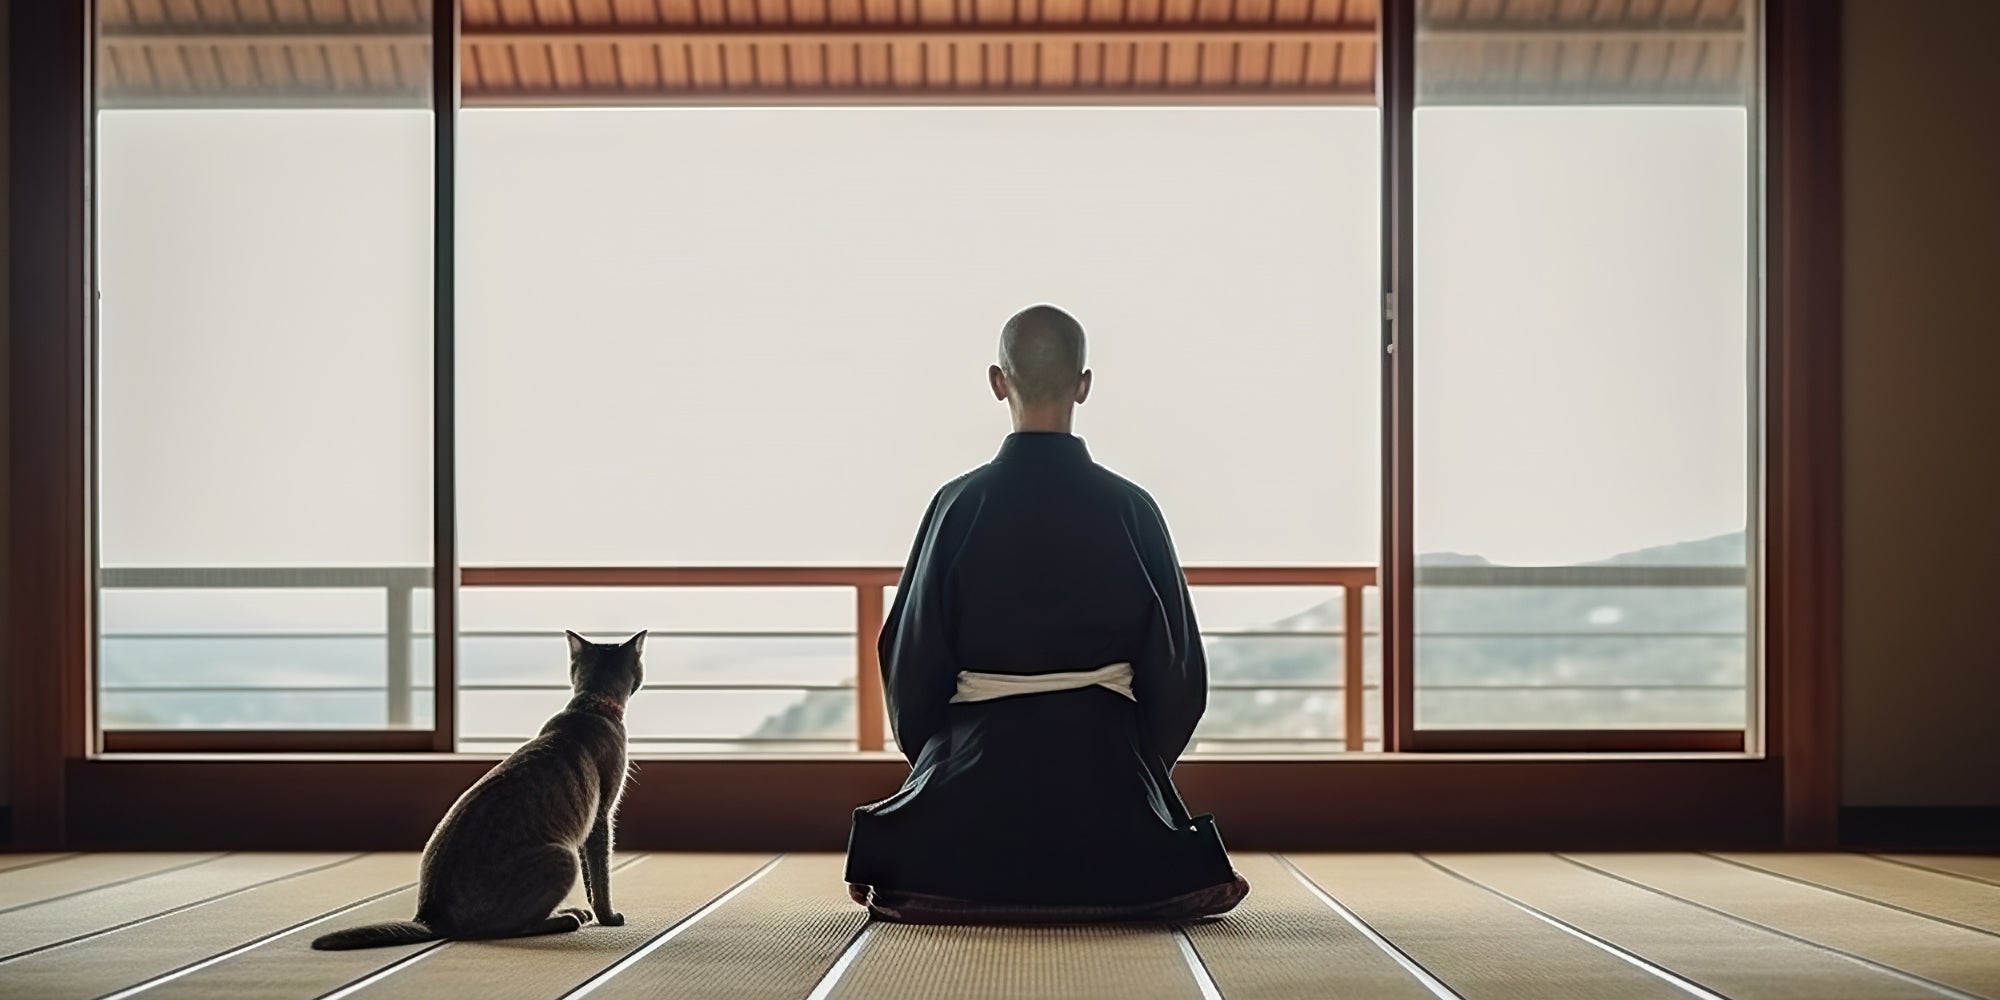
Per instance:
x=37, y=864
x=252, y=944
x=118, y=882
x=1809, y=883
x=356, y=986
x=1629, y=957
x=1204, y=980
x=172, y=910
x=671, y=931
x=1425, y=977
x=830, y=979
x=1907, y=976
x=1975, y=879
x=406, y=961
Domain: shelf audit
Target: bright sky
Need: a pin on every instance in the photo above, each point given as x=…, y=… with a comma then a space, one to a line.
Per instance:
x=759, y=336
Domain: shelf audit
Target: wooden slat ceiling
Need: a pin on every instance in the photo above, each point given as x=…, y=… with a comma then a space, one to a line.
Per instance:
x=233, y=53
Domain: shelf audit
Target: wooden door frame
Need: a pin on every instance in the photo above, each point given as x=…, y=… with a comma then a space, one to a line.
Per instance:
x=63, y=792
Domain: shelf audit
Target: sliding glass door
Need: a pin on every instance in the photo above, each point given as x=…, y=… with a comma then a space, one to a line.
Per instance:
x=1583, y=406
x=265, y=378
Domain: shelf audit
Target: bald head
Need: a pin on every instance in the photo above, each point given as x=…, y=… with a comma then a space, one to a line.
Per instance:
x=1041, y=353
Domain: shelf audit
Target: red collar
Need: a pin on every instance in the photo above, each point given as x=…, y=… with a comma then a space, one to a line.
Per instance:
x=599, y=704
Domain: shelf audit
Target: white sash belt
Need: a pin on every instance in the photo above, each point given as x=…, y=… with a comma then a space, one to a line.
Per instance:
x=975, y=686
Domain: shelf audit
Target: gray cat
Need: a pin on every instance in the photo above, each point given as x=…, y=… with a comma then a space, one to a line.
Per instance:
x=505, y=855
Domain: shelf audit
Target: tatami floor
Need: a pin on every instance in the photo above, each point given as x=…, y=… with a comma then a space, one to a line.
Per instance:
x=764, y=927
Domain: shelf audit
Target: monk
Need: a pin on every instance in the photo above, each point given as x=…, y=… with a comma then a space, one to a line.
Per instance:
x=1043, y=673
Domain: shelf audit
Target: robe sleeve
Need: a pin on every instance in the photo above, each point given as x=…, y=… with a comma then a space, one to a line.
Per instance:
x=1171, y=679
x=917, y=672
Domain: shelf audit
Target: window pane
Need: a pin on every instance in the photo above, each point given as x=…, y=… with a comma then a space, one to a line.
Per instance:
x=264, y=383
x=761, y=336
x=1583, y=357
x=736, y=670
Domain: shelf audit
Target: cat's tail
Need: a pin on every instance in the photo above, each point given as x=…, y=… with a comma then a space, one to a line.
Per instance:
x=376, y=936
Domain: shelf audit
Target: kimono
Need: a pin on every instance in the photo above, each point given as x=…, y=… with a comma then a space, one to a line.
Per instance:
x=1054, y=804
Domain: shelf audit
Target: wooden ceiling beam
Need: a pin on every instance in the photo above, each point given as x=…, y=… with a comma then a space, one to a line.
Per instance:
x=992, y=34
x=789, y=34
x=1149, y=95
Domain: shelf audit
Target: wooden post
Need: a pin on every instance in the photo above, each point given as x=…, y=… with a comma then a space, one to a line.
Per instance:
x=868, y=723
x=398, y=633
x=1356, y=681
x=444, y=375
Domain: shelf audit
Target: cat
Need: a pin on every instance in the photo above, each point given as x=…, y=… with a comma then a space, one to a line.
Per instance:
x=506, y=854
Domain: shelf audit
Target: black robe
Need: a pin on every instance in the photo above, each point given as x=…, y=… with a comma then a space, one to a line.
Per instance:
x=1041, y=561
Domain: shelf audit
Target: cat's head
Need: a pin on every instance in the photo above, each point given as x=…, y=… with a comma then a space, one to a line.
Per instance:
x=606, y=668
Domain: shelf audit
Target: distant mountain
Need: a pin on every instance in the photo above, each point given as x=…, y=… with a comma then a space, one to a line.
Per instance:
x=1478, y=636
x=1451, y=559
x=1722, y=550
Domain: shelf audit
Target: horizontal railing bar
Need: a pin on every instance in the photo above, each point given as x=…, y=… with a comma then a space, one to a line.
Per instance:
x=1581, y=576
x=839, y=741
x=489, y=739
x=555, y=633
x=671, y=686
x=805, y=633
x=678, y=576
x=1276, y=633
x=363, y=689
x=776, y=686
x=1199, y=738
x=241, y=689
x=261, y=577
x=246, y=634
x=1280, y=576
x=1580, y=687
x=283, y=577
x=655, y=635
x=1580, y=635
x=1278, y=686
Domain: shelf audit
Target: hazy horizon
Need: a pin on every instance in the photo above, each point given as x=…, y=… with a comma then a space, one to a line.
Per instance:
x=759, y=336
x=713, y=318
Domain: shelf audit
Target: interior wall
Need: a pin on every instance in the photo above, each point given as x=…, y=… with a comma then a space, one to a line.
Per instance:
x=6, y=343
x=1921, y=684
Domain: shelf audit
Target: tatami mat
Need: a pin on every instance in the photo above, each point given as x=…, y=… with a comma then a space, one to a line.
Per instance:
x=1944, y=897
x=110, y=962
x=1983, y=868
x=286, y=966
x=1480, y=945
x=654, y=892
x=774, y=940
x=94, y=912
x=9, y=862
x=28, y=884
x=755, y=927
x=1954, y=956
x=1284, y=942
x=901, y=962
x=1707, y=948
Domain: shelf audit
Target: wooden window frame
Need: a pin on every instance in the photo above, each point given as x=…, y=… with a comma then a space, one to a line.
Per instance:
x=1400, y=66
x=65, y=791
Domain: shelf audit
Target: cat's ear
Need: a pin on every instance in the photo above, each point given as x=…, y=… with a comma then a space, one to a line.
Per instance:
x=577, y=644
x=637, y=643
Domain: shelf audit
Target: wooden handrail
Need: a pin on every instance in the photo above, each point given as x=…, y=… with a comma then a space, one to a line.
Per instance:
x=869, y=582
x=857, y=576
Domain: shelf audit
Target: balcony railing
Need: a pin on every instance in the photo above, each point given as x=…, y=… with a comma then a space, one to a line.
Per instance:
x=406, y=690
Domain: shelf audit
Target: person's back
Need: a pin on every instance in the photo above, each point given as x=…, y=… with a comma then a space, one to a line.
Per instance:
x=1043, y=671
x=1052, y=542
